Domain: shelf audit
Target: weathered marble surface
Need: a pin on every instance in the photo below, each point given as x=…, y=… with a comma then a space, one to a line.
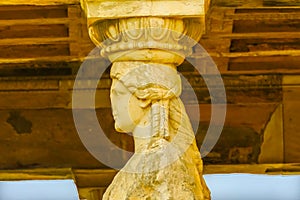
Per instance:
x=146, y=41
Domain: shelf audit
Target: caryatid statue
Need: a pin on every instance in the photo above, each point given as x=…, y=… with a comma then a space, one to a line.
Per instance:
x=146, y=41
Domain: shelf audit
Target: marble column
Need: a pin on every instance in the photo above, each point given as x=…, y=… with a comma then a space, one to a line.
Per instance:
x=146, y=41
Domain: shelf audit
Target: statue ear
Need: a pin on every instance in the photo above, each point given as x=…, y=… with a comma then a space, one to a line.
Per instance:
x=144, y=103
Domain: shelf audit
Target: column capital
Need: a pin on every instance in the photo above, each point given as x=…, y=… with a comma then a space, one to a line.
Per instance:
x=148, y=30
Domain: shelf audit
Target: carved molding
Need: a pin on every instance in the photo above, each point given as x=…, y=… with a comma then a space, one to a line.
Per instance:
x=166, y=38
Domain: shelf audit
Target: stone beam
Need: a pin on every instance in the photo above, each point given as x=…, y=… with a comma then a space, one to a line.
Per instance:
x=91, y=183
x=114, y=9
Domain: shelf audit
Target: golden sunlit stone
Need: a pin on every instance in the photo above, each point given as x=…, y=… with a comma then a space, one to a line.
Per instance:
x=146, y=40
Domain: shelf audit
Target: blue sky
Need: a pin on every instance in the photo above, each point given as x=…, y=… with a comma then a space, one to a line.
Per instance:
x=38, y=190
x=253, y=187
x=223, y=187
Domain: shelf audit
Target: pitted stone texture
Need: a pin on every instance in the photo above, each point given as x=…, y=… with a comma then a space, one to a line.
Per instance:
x=180, y=180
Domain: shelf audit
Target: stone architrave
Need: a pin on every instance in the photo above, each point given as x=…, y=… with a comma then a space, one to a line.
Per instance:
x=146, y=41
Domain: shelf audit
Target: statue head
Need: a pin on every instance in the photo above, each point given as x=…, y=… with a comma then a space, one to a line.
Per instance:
x=141, y=93
x=128, y=110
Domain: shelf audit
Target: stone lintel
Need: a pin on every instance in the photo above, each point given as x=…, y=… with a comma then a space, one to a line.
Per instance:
x=112, y=9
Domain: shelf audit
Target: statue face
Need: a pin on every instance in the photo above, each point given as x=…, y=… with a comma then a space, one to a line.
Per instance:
x=125, y=107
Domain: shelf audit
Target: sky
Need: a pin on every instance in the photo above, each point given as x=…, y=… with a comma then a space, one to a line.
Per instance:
x=222, y=187
x=253, y=187
x=38, y=190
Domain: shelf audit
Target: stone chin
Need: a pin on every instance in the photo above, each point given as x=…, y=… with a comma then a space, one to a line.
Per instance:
x=121, y=129
x=117, y=126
